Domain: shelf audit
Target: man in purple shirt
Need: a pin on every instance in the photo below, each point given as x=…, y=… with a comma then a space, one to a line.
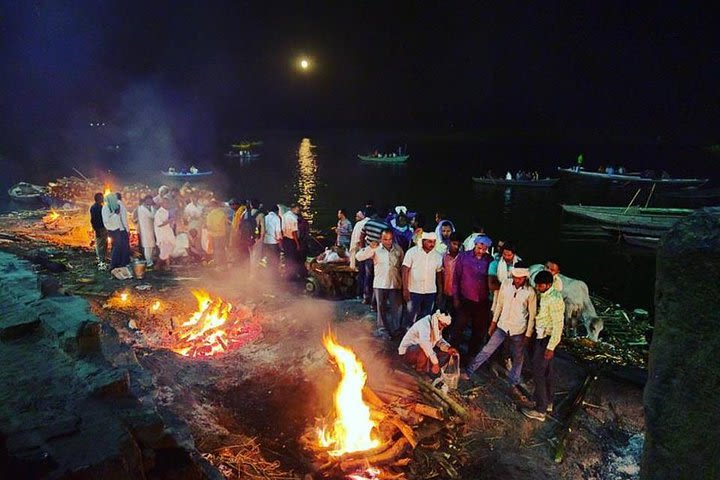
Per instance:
x=471, y=292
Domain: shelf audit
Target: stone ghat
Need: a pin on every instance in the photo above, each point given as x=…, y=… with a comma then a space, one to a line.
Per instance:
x=74, y=402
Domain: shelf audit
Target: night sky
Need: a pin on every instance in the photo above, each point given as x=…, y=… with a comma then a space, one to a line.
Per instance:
x=612, y=66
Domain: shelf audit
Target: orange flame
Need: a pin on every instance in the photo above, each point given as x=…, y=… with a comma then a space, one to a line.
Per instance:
x=351, y=431
x=124, y=296
x=51, y=217
x=107, y=190
x=205, y=332
x=156, y=306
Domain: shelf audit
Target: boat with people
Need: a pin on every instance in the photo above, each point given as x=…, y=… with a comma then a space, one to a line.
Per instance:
x=529, y=183
x=25, y=192
x=193, y=172
x=624, y=178
x=384, y=158
x=648, y=219
x=242, y=154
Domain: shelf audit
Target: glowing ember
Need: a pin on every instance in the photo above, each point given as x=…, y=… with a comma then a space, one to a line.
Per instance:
x=214, y=327
x=351, y=431
x=124, y=296
x=156, y=306
x=51, y=217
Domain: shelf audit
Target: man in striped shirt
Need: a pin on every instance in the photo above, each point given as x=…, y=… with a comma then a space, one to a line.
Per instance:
x=548, y=328
x=371, y=232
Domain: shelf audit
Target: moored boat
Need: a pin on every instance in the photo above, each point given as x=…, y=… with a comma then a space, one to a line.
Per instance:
x=501, y=182
x=659, y=219
x=28, y=193
x=632, y=179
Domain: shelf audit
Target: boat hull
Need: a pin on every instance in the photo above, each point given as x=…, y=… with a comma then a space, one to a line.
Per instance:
x=632, y=179
x=395, y=159
x=496, y=182
x=187, y=175
x=659, y=219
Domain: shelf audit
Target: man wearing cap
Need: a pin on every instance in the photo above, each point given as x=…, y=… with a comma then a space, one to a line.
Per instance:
x=470, y=298
x=514, y=318
x=422, y=278
x=423, y=346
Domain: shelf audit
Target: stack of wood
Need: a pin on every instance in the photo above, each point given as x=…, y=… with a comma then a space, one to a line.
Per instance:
x=410, y=414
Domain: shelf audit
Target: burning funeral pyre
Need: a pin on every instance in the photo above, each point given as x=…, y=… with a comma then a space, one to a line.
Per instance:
x=369, y=437
x=216, y=326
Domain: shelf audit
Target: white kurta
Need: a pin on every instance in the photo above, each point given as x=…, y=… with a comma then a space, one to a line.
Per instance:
x=146, y=226
x=164, y=235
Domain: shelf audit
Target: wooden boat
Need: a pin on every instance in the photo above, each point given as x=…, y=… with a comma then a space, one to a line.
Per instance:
x=501, y=182
x=186, y=175
x=28, y=193
x=648, y=218
x=632, y=179
x=392, y=158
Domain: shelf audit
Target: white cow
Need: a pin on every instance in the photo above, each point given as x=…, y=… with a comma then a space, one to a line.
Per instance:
x=577, y=304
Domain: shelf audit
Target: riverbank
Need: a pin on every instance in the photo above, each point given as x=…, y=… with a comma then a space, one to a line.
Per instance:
x=267, y=391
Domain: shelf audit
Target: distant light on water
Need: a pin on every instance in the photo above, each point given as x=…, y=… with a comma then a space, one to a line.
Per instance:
x=306, y=182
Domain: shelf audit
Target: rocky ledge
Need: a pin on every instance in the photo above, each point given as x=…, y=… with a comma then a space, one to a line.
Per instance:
x=74, y=402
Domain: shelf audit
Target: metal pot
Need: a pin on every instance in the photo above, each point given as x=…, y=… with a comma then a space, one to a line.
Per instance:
x=139, y=269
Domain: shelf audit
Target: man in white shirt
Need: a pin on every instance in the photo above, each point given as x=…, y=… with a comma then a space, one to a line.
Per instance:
x=291, y=242
x=422, y=278
x=513, y=318
x=272, y=238
x=356, y=244
x=193, y=213
x=423, y=346
x=387, y=259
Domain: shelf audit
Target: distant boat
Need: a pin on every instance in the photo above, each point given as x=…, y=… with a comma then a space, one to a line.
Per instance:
x=632, y=178
x=658, y=219
x=501, y=182
x=247, y=144
x=384, y=158
x=242, y=154
x=28, y=193
x=170, y=173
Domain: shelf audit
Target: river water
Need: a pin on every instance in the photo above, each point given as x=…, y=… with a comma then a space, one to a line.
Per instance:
x=322, y=173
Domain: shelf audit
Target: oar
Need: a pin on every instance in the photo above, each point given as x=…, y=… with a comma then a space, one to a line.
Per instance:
x=652, y=190
x=631, y=201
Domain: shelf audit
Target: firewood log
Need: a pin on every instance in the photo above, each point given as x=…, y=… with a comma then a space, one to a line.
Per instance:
x=428, y=411
x=459, y=409
x=388, y=456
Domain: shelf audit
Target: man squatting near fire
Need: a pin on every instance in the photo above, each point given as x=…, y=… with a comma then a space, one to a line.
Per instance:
x=423, y=344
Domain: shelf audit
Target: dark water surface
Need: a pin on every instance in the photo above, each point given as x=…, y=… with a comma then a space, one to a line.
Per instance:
x=322, y=173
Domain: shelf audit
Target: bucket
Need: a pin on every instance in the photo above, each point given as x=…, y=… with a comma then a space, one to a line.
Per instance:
x=451, y=372
x=139, y=269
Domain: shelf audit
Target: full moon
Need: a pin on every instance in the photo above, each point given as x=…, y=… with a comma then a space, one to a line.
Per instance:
x=304, y=64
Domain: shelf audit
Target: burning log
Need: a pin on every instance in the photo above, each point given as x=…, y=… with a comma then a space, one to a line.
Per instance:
x=388, y=456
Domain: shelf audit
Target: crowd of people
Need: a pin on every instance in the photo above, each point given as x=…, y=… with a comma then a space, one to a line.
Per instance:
x=427, y=285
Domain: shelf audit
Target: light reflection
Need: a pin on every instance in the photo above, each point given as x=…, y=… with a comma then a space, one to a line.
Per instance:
x=306, y=182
